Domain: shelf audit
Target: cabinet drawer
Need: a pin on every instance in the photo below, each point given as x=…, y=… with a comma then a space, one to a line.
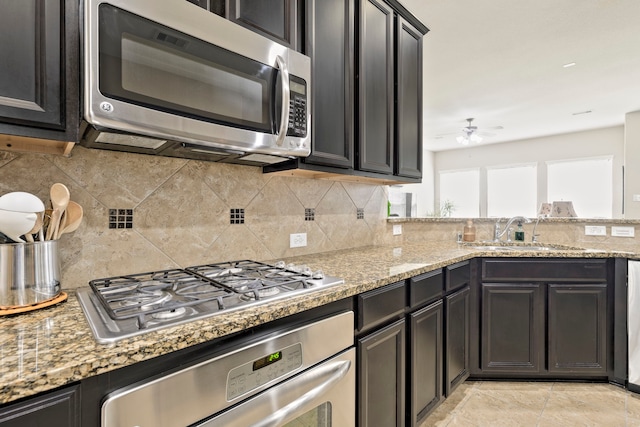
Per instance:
x=425, y=287
x=457, y=275
x=380, y=305
x=540, y=270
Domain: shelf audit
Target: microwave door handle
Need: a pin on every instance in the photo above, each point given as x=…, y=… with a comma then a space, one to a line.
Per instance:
x=286, y=94
x=336, y=370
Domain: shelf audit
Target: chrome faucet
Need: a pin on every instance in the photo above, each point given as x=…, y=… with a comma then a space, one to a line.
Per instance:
x=497, y=234
x=534, y=236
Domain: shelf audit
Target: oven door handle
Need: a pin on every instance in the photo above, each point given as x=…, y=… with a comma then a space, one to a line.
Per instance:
x=337, y=370
x=286, y=97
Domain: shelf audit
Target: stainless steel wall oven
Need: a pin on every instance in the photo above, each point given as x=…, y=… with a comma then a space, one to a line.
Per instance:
x=303, y=375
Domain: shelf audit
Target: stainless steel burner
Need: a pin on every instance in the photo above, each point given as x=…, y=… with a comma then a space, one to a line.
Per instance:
x=124, y=306
x=171, y=314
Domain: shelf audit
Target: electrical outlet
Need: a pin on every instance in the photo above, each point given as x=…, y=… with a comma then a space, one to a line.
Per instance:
x=397, y=229
x=297, y=240
x=595, y=230
x=622, y=231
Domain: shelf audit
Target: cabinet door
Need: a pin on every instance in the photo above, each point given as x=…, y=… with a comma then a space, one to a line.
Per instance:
x=512, y=337
x=381, y=377
x=425, y=361
x=456, y=339
x=331, y=47
x=578, y=329
x=275, y=19
x=56, y=409
x=31, y=74
x=409, y=114
x=376, y=109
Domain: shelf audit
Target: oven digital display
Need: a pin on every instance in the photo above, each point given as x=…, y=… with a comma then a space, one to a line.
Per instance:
x=267, y=360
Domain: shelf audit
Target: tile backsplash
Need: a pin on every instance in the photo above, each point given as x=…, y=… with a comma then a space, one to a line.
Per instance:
x=174, y=212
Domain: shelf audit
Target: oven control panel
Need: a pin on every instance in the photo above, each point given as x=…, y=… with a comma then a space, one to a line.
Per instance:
x=249, y=376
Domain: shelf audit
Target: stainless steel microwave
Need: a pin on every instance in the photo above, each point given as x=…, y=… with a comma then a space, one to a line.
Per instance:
x=167, y=77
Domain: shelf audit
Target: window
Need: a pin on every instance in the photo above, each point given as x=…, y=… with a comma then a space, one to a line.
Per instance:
x=588, y=183
x=461, y=189
x=512, y=191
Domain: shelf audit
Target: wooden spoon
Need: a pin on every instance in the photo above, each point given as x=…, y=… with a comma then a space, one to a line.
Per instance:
x=73, y=217
x=59, y=195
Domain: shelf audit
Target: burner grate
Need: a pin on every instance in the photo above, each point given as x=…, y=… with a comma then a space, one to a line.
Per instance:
x=170, y=296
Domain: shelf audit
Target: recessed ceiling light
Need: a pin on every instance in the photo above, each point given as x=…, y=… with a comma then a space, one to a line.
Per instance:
x=570, y=64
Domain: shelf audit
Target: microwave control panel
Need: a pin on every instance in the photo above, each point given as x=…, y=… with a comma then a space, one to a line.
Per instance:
x=297, y=107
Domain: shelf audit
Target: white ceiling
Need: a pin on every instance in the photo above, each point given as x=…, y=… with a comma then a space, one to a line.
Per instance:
x=501, y=62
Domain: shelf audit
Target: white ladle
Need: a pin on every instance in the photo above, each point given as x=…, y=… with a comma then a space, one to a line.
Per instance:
x=15, y=224
x=19, y=201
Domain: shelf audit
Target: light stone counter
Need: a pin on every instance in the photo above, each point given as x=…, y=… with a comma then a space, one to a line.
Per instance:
x=54, y=346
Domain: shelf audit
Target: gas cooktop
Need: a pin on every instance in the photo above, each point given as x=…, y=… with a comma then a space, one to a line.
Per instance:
x=124, y=306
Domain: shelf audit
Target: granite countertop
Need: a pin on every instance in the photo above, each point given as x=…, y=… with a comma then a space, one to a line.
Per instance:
x=51, y=347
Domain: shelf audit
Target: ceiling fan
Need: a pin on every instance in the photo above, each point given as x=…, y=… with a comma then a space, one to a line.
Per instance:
x=470, y=133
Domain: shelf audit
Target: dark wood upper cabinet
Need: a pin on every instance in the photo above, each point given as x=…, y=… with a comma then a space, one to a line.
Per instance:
x=330, y=44
x=367, y=92
x=276, y=19
x=409, y=101
x=376, y=92
x=39, y=71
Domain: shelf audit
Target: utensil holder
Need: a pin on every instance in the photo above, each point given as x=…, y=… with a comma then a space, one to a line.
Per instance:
x=29, y=273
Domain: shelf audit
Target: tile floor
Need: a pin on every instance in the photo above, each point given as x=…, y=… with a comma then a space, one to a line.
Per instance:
x=539, y=404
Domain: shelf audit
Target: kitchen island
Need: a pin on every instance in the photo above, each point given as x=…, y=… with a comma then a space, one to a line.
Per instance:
x=52, y=347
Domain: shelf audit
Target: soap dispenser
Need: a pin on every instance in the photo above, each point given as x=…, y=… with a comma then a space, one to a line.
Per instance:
x=469, y=234
x=519, y=236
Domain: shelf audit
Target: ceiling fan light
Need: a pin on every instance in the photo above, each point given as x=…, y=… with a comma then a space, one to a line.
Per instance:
x=476, y=139
x=462, y=140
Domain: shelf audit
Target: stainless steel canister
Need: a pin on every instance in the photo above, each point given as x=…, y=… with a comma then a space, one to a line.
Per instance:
x=29, y=273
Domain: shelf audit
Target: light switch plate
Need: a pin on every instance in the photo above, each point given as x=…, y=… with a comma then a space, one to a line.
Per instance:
x=636, y=197
x=595, y=230
x=297, y=240
x=623, y=231
x=397, y=229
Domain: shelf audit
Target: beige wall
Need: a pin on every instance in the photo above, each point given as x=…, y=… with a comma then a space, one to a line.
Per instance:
x=632, y=164
x=595, y=143
x=181, y=211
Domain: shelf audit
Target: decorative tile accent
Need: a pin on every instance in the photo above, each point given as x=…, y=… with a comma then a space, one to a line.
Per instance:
x=360, y=213
x=309, y=214
x=120, y=218
x=237, y=216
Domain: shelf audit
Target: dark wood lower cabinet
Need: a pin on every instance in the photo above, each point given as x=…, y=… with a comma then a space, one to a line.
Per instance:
x=512, y=332
x=557, y=322
x=60, y=408
x=425, y=361
x=578, y=329
x=381, y=377
x=456, y=339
